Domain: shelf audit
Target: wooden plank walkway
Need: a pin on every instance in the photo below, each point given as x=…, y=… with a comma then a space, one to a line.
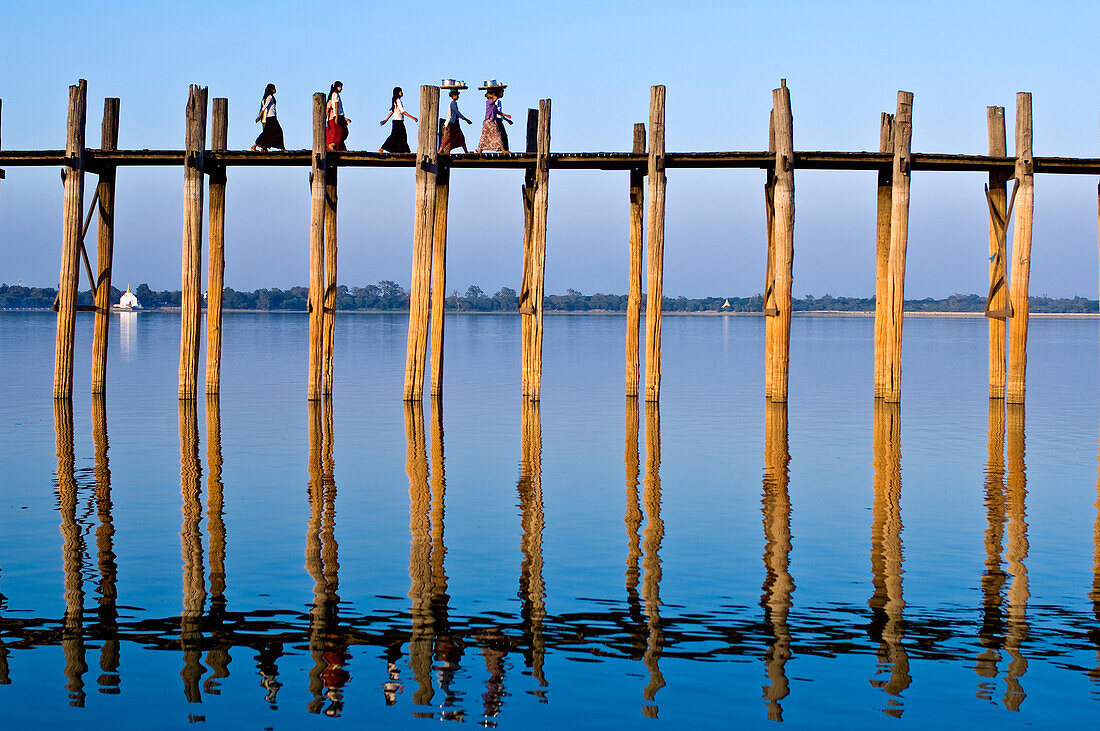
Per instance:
x=810, y=160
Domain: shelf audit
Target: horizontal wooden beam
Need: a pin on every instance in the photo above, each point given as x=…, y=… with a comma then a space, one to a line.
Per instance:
x=810, y=160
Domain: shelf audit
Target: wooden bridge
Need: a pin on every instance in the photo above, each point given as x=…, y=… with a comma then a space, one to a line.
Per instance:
x=647, y=163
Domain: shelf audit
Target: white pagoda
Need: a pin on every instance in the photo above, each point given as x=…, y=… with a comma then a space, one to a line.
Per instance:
x=129, y=301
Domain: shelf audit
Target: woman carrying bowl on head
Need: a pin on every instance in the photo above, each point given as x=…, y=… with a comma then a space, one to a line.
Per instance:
x=493, y=137
x=452, y=132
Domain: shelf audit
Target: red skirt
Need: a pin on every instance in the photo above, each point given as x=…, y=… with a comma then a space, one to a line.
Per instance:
x=452, y=138
x=336, y=131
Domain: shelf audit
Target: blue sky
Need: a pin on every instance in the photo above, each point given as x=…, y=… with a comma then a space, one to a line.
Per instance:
x=843, y=62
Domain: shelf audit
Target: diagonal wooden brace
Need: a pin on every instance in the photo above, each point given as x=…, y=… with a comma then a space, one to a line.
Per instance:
x=1000, y=278
x=770, y=310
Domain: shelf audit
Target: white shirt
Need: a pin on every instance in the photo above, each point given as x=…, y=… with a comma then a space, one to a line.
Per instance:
x=398, y=111
x=267, y=109
x=335, y=106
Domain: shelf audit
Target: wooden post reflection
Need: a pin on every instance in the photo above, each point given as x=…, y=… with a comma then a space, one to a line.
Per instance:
x=1094, y=595
x=72, y=554
x=633, y=517
x=991, y=634
x=217, y=656
x=887, y=602
x=108, y=680
x=194, y=574
x=448, y=650
x=1015, y=555
x=532, y=587
x=327, y=644
x=778, y=584
x=652, y=535
x=420, y=558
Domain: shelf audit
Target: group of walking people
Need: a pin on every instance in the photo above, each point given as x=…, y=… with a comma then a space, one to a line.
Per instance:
x=494, y=136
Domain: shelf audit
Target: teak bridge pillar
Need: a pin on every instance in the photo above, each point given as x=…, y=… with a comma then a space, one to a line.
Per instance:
x=882, y=253
x=534, y=261
x=634, y=278
x=316, y=301
x=191, y=268
x=215, y=284
x=781, y=249
x=73, y=176
x=655, y=243
x=1021, y=252
x=894, y=290
x=105, y=251
x=997, y=307
x=427, y=167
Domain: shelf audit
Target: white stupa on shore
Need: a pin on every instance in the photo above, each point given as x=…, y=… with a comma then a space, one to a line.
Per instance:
x=129, y=301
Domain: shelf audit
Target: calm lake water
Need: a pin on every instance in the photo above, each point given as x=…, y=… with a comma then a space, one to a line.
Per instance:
x=594, y=562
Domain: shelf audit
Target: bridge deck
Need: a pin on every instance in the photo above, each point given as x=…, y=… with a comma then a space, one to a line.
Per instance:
x=820, y=160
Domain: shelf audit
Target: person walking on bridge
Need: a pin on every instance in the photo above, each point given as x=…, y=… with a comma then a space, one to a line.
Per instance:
x=336, y=128
x=398, y=141
x=452, y=133
x=493, y=136
x=272, y=133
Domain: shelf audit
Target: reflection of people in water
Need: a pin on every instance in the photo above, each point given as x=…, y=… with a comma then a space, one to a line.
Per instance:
x=494, y=648
x=393, y=686
x=267, y=663
x=335, y=677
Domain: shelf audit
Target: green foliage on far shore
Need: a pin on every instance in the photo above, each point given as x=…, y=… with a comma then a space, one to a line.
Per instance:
x=391, y=297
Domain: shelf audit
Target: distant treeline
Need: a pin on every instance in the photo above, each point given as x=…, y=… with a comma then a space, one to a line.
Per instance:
x=390, y=296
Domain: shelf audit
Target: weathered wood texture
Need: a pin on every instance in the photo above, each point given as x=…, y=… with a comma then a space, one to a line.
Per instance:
x=423, y=232
x=532, y=345
x=998, y=259
x=526, y=305
x=634, y=278
x=784, y=241
x=655, y=243
x=191, y=265
x=105, y=195
x=316, y=304
x=769, y=260
x=899, y=236
x=70, y=240
x=1021, y=252
x=882, y=254
x=215, y=283
x=329, y=338
x=439, y=278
